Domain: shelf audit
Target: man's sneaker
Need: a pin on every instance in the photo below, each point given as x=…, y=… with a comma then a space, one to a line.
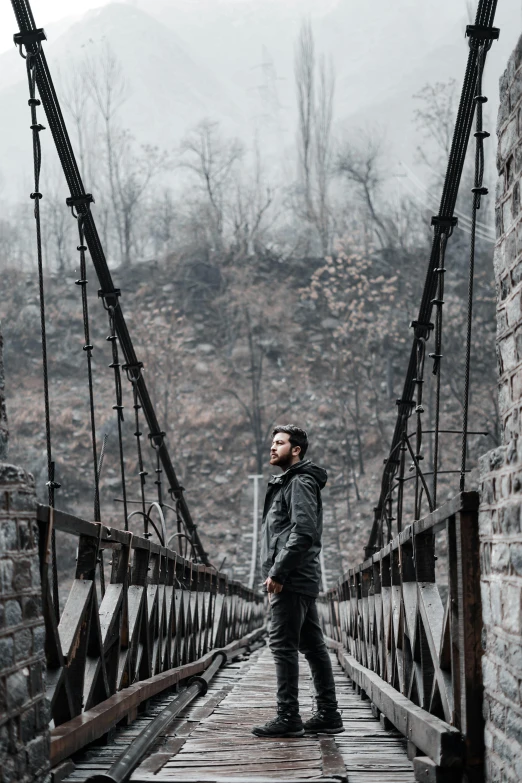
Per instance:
x=281, y=726
x=324, y=722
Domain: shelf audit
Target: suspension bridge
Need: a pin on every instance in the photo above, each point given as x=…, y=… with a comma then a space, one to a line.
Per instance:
x=156, y=663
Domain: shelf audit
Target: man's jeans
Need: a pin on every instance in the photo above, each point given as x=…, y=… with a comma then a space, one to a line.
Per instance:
x=295, y=627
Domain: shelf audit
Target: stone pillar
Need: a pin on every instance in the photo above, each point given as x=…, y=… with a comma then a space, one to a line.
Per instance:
x=24, y=718
x=501, y=469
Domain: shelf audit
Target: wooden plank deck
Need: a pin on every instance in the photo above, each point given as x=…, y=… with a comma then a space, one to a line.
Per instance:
x=212, y=740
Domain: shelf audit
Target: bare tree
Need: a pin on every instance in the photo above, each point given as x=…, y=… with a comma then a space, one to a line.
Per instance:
x=132, y=173
x=108, y=89
x=250, y=206
x=315, y=87
x=435, y=115
x=212, y=159
x=361, y=165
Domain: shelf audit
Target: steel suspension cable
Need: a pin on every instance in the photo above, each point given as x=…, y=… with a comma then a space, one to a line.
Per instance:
x=110, y=304
x=30, y=36
x=478, y=191
x=483, y=28
x=88, y=348
x=36, y=196
x=437, y=355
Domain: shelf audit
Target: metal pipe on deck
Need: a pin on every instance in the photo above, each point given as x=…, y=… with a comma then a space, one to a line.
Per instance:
x=129, y=760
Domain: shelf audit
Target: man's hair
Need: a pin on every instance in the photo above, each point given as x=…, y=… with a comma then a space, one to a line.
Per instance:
x=298, y=437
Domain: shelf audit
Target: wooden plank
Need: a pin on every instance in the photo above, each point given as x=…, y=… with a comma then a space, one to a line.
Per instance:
x=73, y=616
x=332, y=760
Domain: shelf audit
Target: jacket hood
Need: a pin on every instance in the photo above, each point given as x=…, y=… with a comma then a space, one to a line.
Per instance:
x=305, y=466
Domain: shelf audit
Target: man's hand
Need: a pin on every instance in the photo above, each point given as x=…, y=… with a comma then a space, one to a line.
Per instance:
x=272, y=586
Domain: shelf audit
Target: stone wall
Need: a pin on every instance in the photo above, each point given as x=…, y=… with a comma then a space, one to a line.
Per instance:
x=501, y=469
x=24, y=731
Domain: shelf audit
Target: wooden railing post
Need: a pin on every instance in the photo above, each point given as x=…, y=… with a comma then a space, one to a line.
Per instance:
x=469, y=710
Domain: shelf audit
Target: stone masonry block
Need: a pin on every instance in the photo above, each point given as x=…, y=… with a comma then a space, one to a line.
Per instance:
x=38, y=639
x=13, y=474
x=500, y=558
x=22, y=575
x=13, y=612
x=496, y=458
x=497, y=714
x=496, y=600
x=8, y=536
x=485, y=522
x=515, y=555
x=510, y=243
x=507, y=215
x=513, y=311
x=516, y=379
x=37, y=754
x=502, y=324
x=514, y=658
x=489, y=674
x=6, y=652
x=499, y=260
x=6, y=575
x=511, y=608
x=16, y=690
x=508, y=684
x=486, y=603
x=508, y=138
x=508, y=353
x=23, y=644
x=514, y=726
x=515, y=208
x=23, y=499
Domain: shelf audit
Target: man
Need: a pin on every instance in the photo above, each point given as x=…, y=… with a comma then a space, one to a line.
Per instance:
x=291, y=543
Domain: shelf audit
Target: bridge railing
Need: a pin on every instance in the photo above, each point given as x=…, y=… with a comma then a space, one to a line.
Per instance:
x=407, y=631
x=155, y=623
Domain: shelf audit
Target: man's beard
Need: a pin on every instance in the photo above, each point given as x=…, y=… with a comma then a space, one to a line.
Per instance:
x=282, y=462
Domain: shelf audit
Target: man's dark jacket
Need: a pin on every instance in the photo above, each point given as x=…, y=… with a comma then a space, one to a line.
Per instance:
x=293, y=527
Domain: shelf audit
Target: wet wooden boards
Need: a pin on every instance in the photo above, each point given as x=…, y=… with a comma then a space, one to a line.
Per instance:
x=212, y=740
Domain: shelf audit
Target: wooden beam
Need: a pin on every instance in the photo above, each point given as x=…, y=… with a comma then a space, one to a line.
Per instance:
x=441, y=742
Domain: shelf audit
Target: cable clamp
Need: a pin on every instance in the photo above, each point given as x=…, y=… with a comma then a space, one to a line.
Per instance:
x=79, y=201
x=133, y=371
x=481, y=33
x=482, y=191
x=36, y=195
x=110, y=299
x=482, y=134
x=25, y=37
x=37, y=126
x=53, y=484
x=156, y=439
x=177, y=493
x=420, y=328
x=409, y=403
x=480, y=99
x=443, y=221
